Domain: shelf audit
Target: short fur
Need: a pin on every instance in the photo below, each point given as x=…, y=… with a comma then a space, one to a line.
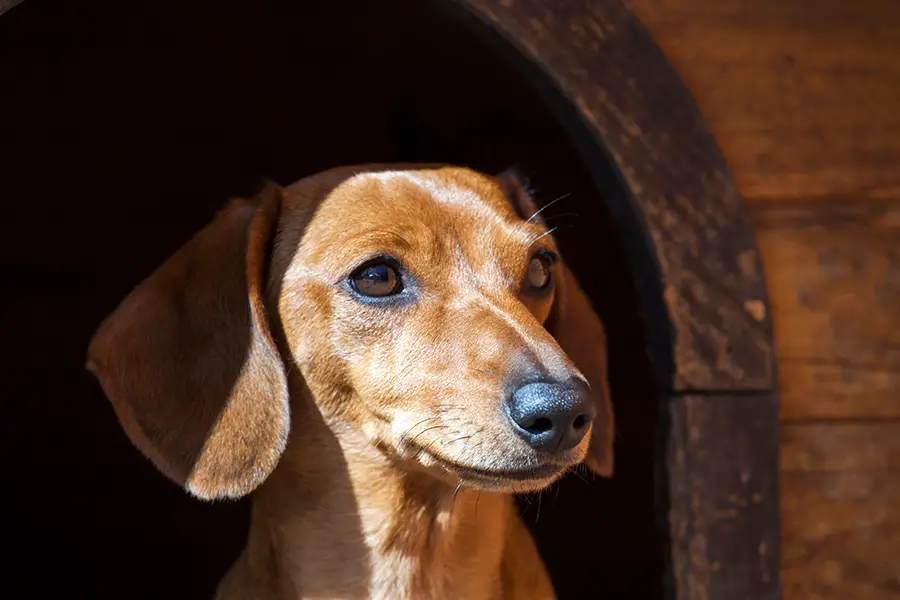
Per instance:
x=372, y=435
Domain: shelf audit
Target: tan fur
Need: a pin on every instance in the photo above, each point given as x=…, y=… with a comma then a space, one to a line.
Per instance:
x=372, y=437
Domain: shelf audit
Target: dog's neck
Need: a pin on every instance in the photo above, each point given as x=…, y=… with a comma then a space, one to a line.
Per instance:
x=338, y=520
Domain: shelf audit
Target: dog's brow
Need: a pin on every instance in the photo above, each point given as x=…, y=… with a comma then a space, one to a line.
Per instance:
x=449, y=193
x=456, y=195
x=452, y=194
x=369, y=239
x=357, y=246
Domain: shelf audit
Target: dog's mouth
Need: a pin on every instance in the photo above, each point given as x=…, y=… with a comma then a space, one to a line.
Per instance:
x=533, y=477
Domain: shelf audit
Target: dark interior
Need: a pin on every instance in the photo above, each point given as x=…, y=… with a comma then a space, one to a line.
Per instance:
x=125, y=125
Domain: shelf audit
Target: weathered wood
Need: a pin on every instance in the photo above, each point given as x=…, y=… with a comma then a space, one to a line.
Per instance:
x=5, y=5
x=801, y=95
x=841, y=493
x=833, y=270
x=721, y=453
x=629, y=100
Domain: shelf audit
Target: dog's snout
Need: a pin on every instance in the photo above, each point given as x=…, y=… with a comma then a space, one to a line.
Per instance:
x=551, y=417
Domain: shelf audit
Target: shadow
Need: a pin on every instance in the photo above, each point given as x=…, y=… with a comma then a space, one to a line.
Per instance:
x=131, y=126
x=283, y=497
x=597, y=533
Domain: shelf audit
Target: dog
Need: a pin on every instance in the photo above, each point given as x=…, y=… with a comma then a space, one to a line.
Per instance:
x=383, y=355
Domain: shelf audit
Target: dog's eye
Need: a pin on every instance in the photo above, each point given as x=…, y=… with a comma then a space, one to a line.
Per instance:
x=538, y=275
x=377, y=280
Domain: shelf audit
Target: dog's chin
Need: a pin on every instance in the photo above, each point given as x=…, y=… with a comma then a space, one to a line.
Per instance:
x=523, y=483
x=511, y=479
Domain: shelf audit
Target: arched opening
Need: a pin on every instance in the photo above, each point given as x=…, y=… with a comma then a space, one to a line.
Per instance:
x=134, y=122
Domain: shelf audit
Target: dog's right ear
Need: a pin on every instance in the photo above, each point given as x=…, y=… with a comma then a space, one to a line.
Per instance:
x=189, y=363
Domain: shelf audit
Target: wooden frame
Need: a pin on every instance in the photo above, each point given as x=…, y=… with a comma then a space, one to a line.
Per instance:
x=698, y=274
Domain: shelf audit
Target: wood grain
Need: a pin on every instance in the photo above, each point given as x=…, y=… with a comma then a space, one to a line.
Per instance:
x=801, y=95
x=833, y=272
x=840, y=499
x=720, y=454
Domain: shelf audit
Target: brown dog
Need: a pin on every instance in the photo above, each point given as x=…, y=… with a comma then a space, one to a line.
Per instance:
x=385, y=356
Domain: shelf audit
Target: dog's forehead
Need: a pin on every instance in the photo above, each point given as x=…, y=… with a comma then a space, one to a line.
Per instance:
x=452, y=190
x=449, y=202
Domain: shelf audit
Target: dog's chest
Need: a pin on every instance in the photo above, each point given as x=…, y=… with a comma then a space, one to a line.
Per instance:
x=449, y=557
x=405, y=578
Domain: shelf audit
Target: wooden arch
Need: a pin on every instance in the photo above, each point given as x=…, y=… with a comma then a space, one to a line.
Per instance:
x=698, y=275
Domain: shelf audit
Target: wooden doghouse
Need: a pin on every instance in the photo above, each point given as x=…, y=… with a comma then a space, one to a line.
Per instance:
x=128, y=124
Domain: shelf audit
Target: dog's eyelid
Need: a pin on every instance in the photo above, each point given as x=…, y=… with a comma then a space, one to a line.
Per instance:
x=373, y=259
x=547, y=253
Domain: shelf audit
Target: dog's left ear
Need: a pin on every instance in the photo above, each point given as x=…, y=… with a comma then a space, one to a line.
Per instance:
x=578, y=331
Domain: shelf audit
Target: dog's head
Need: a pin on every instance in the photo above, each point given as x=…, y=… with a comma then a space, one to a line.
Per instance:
x=428, y=310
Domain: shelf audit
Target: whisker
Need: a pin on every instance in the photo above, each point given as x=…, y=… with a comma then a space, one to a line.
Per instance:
x=425, y=420
x=465, y=437
x=427, y=429
x=427, y=449
x=548, y=205
x=579, y=476
x=545, y=234
x=455, y=492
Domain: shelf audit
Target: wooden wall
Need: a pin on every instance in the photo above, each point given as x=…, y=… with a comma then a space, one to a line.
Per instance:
x=804, y=98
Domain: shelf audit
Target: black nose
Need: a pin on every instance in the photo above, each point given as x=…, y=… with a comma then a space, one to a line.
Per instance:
x=551, y=417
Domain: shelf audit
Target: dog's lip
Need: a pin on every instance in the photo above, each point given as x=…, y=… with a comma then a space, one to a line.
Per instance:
x=533, y=473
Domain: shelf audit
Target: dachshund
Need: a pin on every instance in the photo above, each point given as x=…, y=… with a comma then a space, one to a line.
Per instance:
x=383, y=355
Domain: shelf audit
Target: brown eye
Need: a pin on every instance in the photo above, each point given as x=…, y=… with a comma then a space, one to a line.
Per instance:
x=377, y=280
x=538, y=275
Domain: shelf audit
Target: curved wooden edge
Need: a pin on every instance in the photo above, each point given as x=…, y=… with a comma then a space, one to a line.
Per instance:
x=6, y=5
x=618, y=94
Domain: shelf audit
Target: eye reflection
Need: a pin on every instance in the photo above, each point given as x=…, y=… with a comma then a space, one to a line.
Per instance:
x=377, y=280
x=538, y=275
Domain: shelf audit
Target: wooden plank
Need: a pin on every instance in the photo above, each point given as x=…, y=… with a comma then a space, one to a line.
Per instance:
x=833, y=273
x=840, y=499
x=722, y=459
x=801, y=95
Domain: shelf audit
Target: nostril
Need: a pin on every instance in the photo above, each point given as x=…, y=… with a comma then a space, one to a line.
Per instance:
x=538, y=426
x=580, y=422
x=550, y=416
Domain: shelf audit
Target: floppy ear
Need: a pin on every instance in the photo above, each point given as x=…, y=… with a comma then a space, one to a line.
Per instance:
x=578, y=331
x=189, y=363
